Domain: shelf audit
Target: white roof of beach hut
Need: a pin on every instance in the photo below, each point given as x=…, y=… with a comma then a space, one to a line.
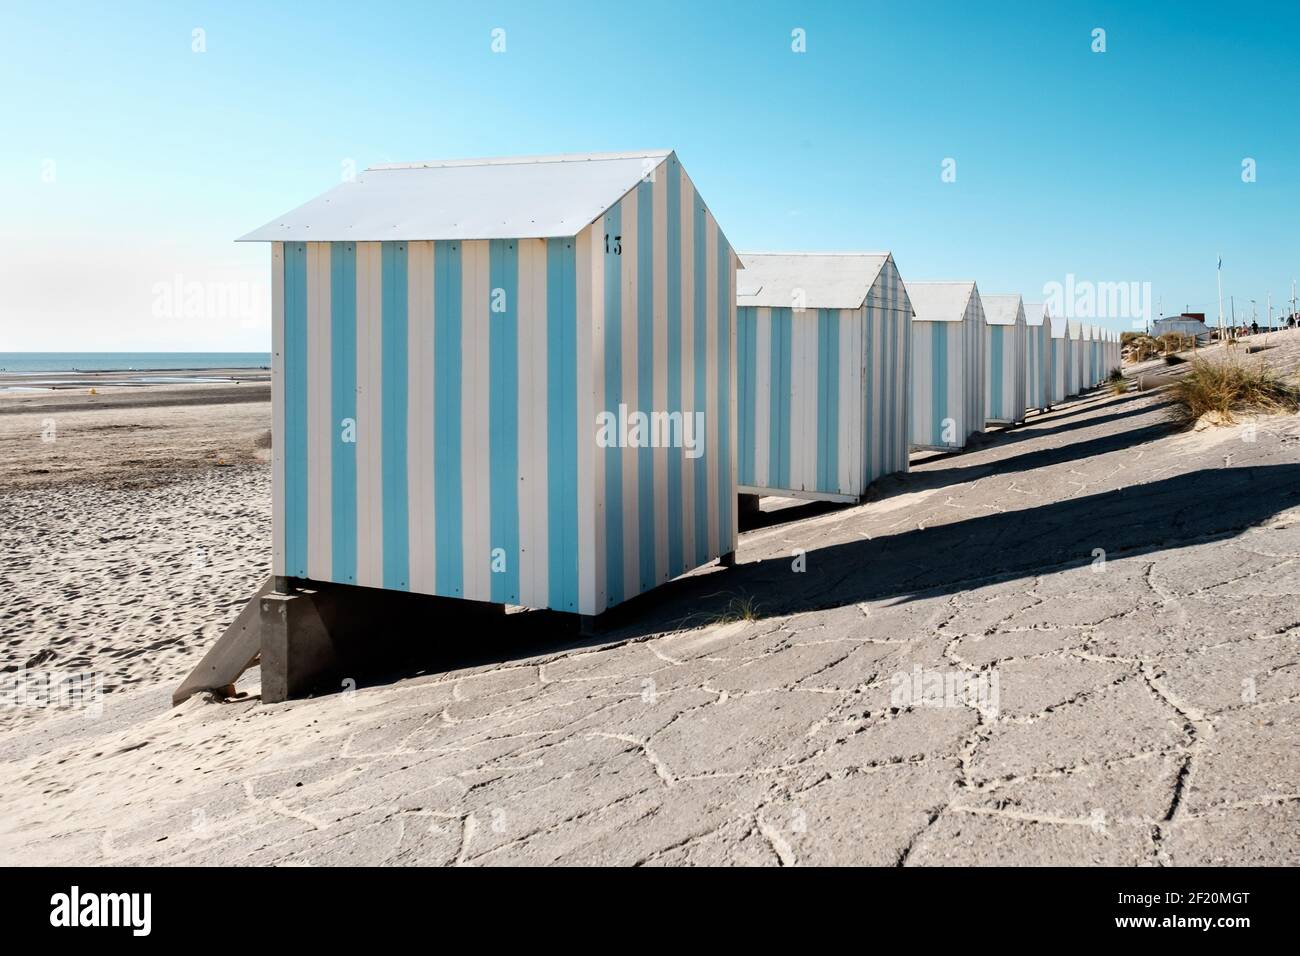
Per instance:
x=827, y=280
x=520, y=197
x=1058, y=327
x=940, y=301
x=1003, y=309
x=1035, y=313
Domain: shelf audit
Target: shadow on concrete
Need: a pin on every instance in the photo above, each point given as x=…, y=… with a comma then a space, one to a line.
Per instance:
x=923, y=480
x=1036, y=427
x=943, y=559
x=785, y=510
x=1047, y=426
x=1081, y=403
x=1200, y=506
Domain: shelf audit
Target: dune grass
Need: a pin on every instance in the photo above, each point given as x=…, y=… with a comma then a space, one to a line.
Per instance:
x=1228, y=387
x=743, y=608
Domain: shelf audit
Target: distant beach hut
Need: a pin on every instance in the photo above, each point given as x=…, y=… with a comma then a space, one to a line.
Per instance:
x=1059, y=379
x=504, y=380
x=1096, y=357
x=1075, y=368
x=822, y=342
x=1005, y=347
x=947, y=405
x=1038, y=356
x=1088, y=360
x=1085, y=356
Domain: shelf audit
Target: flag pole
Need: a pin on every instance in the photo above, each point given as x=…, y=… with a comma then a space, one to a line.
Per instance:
x=1222, y=340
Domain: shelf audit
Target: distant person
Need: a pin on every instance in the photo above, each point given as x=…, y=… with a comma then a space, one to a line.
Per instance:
x=1254, y=328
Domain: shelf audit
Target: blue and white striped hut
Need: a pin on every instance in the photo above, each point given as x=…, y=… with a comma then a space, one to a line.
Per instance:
x=1005, y=346
x=1078, y=350
x=1087, y=358
x=1038, y=357
x=1059, y=379
x=1096, y=354
x=947, y=364
x=504, y=380
x=822, y=342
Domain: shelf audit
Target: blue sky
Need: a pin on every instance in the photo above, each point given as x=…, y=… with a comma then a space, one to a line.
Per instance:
x=130, y=162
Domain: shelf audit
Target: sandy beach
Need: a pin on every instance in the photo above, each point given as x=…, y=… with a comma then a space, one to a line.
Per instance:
x=87, y=429
x=136, y=521
x=1148, y=706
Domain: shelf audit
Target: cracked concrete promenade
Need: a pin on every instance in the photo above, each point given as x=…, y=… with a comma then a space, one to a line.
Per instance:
x=1130, y=594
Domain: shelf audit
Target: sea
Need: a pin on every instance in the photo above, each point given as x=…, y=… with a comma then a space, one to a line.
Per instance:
x=38, y=362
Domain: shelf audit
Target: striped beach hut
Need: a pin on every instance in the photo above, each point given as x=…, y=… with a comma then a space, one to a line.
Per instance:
x=1085, y=357
x=1059, y=379
x=504, y=380
x=1086, y=337
x=1075, y=368
x=947, y=364
x=823, y=344
x=1038, y=357
x=1005, y=347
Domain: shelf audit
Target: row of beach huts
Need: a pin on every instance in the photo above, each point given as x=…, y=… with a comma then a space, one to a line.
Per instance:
x=545, y=381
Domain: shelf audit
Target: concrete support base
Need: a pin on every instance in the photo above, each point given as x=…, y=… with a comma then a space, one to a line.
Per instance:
x=313, y=637
x=727, y=560
x=298, y=654
x=324, y=635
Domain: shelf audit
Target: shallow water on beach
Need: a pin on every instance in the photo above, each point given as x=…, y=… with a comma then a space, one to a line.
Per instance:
x=37, y=362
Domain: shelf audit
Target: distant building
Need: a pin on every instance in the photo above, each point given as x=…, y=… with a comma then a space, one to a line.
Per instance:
x=1189, y=323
